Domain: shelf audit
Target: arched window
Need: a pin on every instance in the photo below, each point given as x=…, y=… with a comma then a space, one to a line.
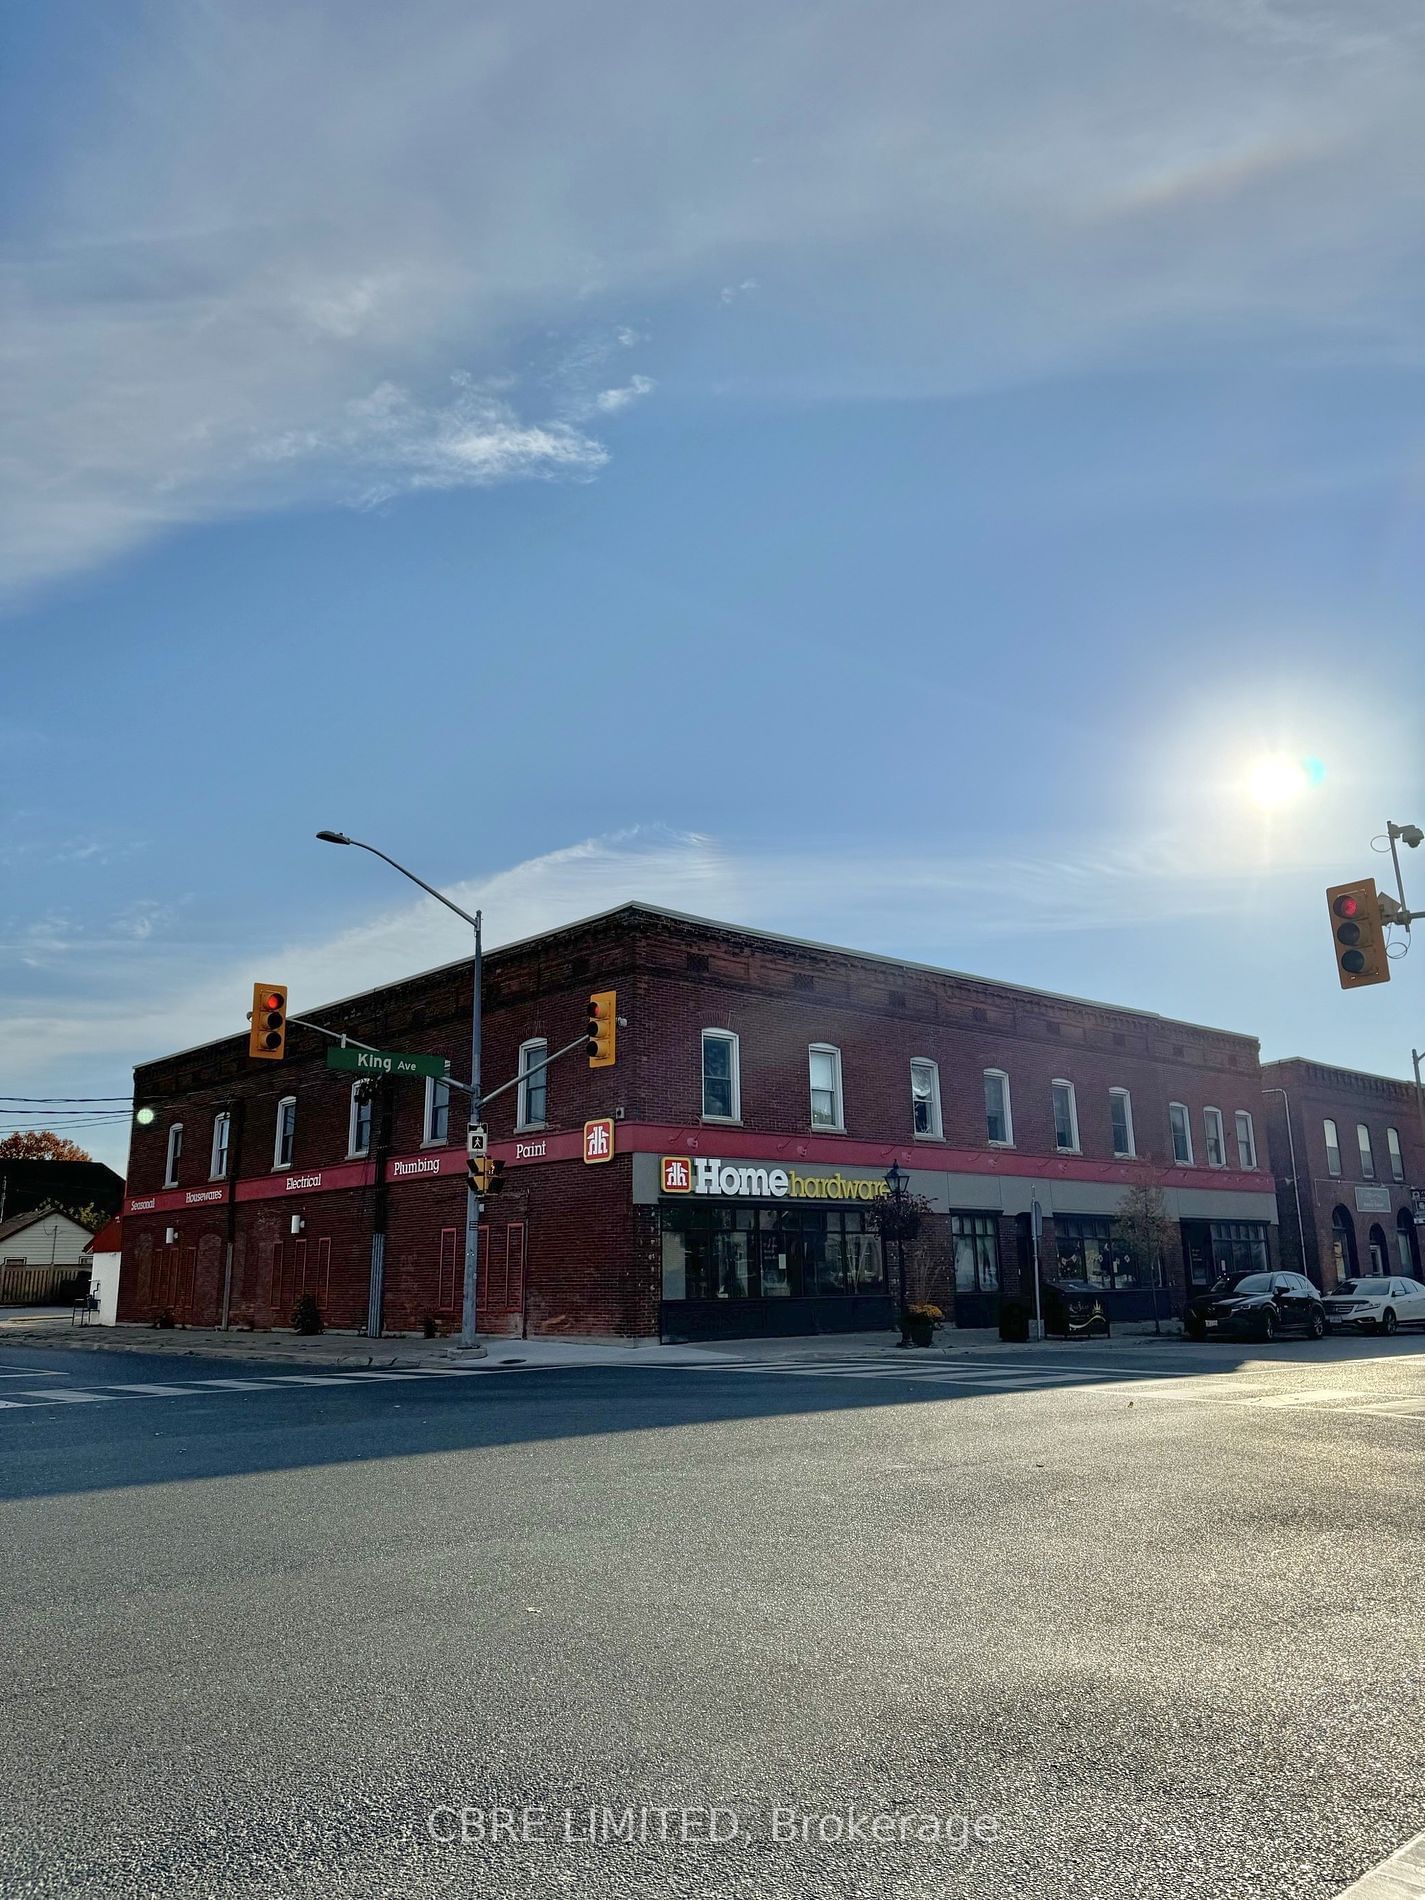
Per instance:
x=1380, y=1258
x=285, y=1133
x=222, y=1138
x=532, y=1095
x=358, y=1136
x=173, y=1155
x=1407, y=1243
x=1343, y=1244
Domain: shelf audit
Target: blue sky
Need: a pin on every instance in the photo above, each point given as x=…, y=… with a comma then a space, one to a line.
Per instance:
x=886, y=474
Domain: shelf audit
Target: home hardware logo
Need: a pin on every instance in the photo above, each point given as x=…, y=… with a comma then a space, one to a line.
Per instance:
x=706, y=1174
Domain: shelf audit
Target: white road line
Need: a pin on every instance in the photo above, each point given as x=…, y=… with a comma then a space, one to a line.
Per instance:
x=31, y=1372
x=54, y=1396
x=155, y=1391
x=384, y=1375
x=236, y=1386
x=1402, y=1877
x=1331, y=1397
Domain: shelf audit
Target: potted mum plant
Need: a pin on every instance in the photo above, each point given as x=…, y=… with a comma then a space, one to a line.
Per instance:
x=919, y=1321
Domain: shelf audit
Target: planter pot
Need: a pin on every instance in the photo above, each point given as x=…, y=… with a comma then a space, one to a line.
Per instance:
x=922, y=1332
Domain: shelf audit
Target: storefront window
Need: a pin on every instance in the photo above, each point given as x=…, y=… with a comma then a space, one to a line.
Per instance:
x=738, y=1253
x=975, y=1240
x=1239, y=1246
x=1090, y=1249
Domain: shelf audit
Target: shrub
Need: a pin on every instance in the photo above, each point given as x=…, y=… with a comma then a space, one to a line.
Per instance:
x=307, y=1315
x=1014, y=1321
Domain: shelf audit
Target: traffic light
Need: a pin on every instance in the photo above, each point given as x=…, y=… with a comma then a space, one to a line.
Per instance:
x=603, y=1029
x=267, y=1038
x=1360, y=935
x=485, y=1175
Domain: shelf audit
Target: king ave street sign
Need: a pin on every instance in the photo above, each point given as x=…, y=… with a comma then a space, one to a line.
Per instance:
x=384, y=1062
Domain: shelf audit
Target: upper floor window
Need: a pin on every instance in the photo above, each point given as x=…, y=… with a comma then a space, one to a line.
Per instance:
x=173, y=1155
x=722, y=1085
x=1066, y=1116
x=286, y=1132
x=222, y=1137
x=1397, y=1159
x=1182, y=1133
x=1212, y=1138
x=1368, y=1160
x=825, y=1067
x=1120, y=1114
x=1246, y=1140
x=532, y=1106
x=1333, y=1147
x=437, y=1115
x=925, y=1097
x=358, y=1134
x=999, y=1120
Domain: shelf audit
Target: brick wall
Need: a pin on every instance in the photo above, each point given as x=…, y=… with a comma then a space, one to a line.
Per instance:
x=589, y=1259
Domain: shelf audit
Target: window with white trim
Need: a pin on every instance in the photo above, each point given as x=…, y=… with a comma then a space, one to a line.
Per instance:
x=173, y=1154
x=1397, y=1159
x=999, y=1117
x=1246, y=1140
x=222, y=1139
x=722, y=1078
x=532, y=1095
x=925, y=1098
x=824, y=1064
x=1181, y=1126
x=285, y=1133
x=1120, y=1115
x=1066, y=1116
x=1333, y=1148
x=1368, y=1160
x=358, y=1127
x=437, y=1115
x=1212, y=1142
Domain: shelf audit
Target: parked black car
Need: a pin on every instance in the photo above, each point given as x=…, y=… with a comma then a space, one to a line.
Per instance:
x=1259, y=1305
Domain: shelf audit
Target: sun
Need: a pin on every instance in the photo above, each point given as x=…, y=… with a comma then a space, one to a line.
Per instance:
x=1274, y=782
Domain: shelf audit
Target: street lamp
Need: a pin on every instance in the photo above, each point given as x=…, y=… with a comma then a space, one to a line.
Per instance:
x=896, y=1178
x=468, y=1339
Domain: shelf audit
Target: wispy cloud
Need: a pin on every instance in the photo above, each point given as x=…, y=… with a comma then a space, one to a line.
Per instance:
x=436, y=186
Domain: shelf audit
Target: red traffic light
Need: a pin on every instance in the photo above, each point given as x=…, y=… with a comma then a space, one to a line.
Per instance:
x=274, y=999
x=1347, y=907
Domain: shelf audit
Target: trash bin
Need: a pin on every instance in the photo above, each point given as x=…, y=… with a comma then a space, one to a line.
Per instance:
x=1073, y=1309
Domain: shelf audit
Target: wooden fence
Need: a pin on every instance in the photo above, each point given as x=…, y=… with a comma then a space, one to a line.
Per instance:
x=24, y=1285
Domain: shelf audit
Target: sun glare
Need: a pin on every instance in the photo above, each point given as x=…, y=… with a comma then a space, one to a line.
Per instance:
x=1275, y=782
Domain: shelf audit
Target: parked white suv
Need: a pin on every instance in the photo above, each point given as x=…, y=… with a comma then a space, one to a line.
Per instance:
x=1377, y=1304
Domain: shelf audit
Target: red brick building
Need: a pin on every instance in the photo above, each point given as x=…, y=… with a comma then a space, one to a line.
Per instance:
x=762, y=1090
x=1349, y=1159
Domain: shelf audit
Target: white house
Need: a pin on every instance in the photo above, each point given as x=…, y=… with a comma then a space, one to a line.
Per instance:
x=38, y=1250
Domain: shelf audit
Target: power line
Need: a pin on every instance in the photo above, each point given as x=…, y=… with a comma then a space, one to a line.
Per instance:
x=66, y=1098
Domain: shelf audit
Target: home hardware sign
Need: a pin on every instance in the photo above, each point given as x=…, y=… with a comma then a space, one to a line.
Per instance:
x=706, y=1174
x=385, y=1062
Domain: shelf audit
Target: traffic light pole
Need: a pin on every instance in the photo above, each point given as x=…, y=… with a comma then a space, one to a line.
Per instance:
x=468, y=1339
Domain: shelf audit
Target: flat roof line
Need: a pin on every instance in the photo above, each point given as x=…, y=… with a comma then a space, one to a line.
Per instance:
x=635, y=904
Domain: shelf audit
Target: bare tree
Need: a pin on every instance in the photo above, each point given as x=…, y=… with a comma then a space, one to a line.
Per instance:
x=1148, y=1235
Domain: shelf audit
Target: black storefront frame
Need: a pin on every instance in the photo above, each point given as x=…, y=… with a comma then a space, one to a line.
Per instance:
x=785, y=1244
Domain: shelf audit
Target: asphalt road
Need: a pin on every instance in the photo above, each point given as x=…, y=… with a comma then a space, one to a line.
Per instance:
x=1128, y=1633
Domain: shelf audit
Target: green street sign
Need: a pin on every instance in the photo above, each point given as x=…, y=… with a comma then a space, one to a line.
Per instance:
x=384, y=1062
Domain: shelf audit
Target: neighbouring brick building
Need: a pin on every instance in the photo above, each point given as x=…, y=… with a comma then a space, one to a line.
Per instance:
x=1349, y=1161
x=763, y=1088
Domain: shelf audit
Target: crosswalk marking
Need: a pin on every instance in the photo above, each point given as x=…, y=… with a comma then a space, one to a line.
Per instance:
x=61, y=1395
x=155, y=1391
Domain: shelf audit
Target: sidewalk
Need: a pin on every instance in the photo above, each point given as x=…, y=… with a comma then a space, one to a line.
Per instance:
x=45, y=1329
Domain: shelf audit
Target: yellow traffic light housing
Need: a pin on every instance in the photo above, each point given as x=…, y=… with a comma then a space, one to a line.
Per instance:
x=267, y=1038
x=603, y=1029
x=486, y=1176
x=1359, y=934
